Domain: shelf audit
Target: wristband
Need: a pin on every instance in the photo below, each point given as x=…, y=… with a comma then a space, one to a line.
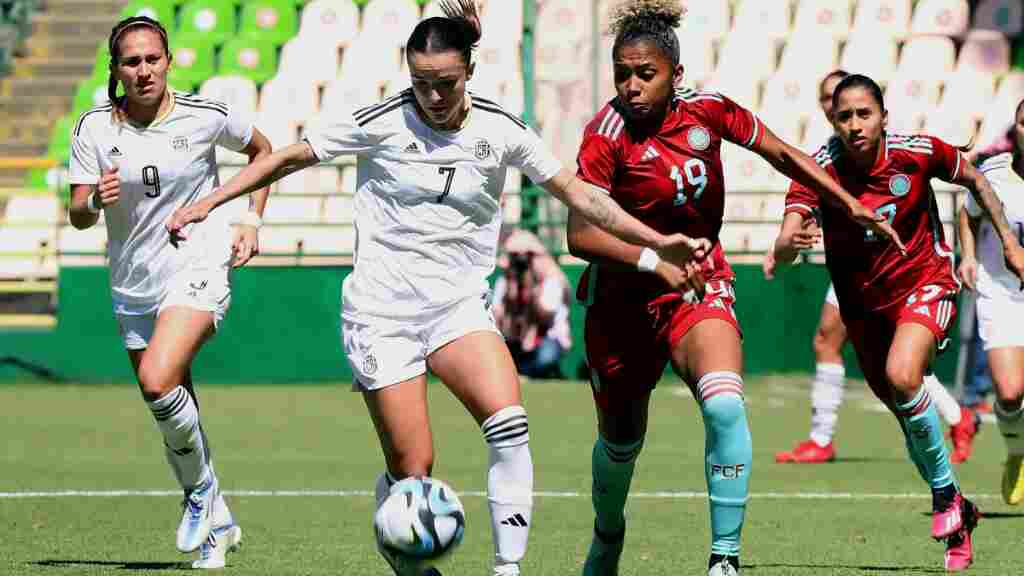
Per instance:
x=91, y=204
x=648, y=261
x=251, y=218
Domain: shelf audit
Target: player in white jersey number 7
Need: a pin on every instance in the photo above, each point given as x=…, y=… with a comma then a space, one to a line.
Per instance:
x=136, y=159
x=431, y=166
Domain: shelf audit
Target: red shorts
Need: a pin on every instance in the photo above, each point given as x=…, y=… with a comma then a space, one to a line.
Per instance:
x=931, y=305
x=629, y=344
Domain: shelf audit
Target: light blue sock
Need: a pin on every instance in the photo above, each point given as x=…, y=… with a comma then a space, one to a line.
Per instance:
x=727, y=455
x=910, y=449
x=925, y=440
x=612, y=468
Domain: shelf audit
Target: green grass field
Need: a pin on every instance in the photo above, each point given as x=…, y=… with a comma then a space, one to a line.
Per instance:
x=866, y=514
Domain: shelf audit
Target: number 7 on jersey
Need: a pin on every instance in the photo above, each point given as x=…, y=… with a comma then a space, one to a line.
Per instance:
x=449, y=173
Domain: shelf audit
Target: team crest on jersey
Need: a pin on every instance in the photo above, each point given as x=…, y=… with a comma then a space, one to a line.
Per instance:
x=369, y=364
x=698, y=138
x=482, y=149
x=179, y=143
x=899, y=185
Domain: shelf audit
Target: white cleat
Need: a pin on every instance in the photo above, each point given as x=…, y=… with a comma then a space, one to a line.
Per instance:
x=213, y=552
x=197, y=516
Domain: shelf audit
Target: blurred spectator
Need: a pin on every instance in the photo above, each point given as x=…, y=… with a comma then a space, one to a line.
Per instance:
x=531, y=306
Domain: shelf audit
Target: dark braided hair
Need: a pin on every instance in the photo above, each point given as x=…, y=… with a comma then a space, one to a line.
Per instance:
x=458, y=30
x=115, y=48
x=654, y=20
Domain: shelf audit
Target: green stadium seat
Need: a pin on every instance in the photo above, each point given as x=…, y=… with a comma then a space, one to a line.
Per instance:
x=250, y=58
x=160, y=10
x=214, y=20
x=193, y=61
x=274, y=20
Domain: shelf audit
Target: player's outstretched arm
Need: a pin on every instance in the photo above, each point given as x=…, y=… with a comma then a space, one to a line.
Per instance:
x=598, y=207
x=980, y=188
x=245, y=243
x=259, y=174
x=803, y=169
x=592, y=244
x=967, y=228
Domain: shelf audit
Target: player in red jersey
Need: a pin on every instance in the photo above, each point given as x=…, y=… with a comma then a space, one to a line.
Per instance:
x=897, y=308
x=656, y=150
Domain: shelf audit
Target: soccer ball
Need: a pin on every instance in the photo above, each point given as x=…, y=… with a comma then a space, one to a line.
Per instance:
x=421, y=518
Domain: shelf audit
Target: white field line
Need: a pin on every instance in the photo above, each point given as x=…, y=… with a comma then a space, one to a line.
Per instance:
x=659, y=495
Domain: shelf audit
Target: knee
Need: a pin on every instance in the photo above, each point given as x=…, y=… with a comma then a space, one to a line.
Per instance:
x=722, y=399
x=905, y=378
x=1010, y=390
x=155, y=379
x=506, y=428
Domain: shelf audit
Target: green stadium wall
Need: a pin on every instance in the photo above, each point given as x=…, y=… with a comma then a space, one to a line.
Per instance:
x=284, y=326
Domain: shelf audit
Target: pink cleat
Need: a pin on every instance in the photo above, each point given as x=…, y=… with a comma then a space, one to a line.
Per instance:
x=807, y=452
x=959, y=552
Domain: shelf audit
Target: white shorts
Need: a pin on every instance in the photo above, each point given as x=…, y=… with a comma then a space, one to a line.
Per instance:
x=203, y=290
x=830, y=296
x=1000, y=321
x=384, y=351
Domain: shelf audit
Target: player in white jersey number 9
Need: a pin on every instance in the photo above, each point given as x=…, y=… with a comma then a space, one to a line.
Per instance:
x=431, y=165
x=136, y=159
x=987, y=268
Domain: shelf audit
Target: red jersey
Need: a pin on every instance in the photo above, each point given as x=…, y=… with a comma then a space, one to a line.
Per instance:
x=870, y=274
x=671, y=180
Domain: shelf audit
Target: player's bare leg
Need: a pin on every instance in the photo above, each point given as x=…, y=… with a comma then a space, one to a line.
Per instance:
x=710, y=359
x=954, y=517
x=163, y=373
x=1007, y=366
x=826, y=391
x=479, y=370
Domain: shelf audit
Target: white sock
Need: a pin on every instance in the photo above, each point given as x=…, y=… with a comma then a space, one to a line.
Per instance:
x=826, y=396
x=1011, y=426
x=946, y=405
x=509, y=486
x=178, y=420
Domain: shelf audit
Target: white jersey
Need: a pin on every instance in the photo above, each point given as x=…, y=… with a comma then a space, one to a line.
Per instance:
x=427, y=203
x=163, y=166
x=994, y=280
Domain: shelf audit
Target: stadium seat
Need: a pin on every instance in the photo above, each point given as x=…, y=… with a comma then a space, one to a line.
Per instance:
x=697, y=55
x=193, y=62
x=762, y=18
x=338, y=209
x=755, y=55
x=946, y=17
x=497, y=64
x=1006, y=16
x=737, y=85
x=999, y=113
x=237, y=92
x=280, y=130
x=794, y=95
x=344, y=95
x=889, y=18
x=212, y=20
x=327, y=240
x=32, y=210
x=951, y=124
x=273, y=20
x=248, y=57
x=330, y=21
x=968, y=93
x=292, y=209
x=308, y=59
x=927, y=58
x=89, y=241
x=390, y=20
x=782, y=122
x=568, y=21
x=984, y=53
x=368, y=60
x=810, y=53
x=22, y=252
x=823, y=16
x=871, y=55
x=160, y=10
x=816, y=133
x=289, y=99
x=279, y=239
x=707, y=20
x=557, y=60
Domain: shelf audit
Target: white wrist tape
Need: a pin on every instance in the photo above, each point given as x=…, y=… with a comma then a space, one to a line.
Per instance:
x=648, y=261
x=251, y=219
x=91, y=204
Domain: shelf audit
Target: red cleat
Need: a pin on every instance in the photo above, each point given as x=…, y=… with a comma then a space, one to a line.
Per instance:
x=949, y=521
x=963, y=435
x=807, y=452
x=959, y=551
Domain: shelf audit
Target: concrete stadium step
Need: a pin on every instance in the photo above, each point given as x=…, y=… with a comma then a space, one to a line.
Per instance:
x=82, y=26
x=46, y=46
x=23, y=150
x=24, y=132
x=12, y=178
x=33, y=108
x=39, y=87
x=50, y=67
x=91, y=7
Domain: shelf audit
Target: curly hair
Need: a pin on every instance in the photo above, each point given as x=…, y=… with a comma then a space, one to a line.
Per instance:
x=654, y=20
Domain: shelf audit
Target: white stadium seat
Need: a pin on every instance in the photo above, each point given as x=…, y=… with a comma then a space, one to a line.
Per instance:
x=291, y=209
x=946, y=17
x=345, y=94
x=331, y=240
x=289, y=99
x=762, y=18
x=999, y=116
x=951, y=125
x=1006, y=16
x=871, y=55
x=708, y=20
x=927, y=58
x=882, y=18
x=90, y=240
x=783, y=123
x=370, y=60
x=792, y=94
x=825, y=16
x=339, y=209
x=968, y=94
x=308, y=59
x=697, y=55
x=32, y=209
x=984, y=53
x=737, y=85
x=816, y=133
x=754, y=55
x=334, y=21
x=237, y=92
x=390, y=20
x=810, y=53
